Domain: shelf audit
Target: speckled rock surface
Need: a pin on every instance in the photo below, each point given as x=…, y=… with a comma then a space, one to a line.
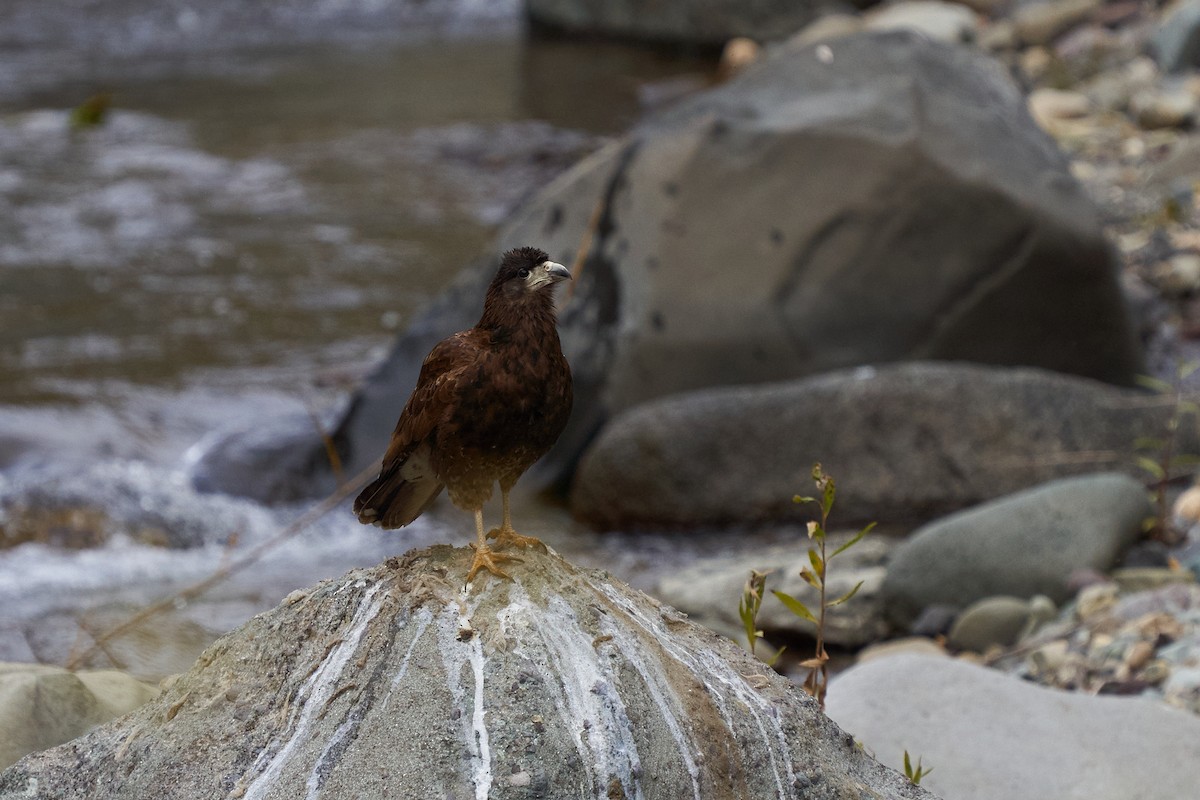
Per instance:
x=396, y=682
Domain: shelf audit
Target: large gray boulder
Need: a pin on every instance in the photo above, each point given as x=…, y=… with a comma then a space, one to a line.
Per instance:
x=906, y=443
x=1023, y=545
x=989, y=736
x=702, y=22
x=879, y=199
x=397, y=682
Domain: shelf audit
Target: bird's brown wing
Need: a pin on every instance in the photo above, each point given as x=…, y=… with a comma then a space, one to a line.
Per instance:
x=407, y=483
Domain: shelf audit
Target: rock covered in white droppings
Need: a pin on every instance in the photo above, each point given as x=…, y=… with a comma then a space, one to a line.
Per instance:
x=396, y=682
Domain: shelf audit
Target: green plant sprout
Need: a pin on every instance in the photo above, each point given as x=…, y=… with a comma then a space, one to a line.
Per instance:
x=818, y=666
x=751, y=602
x=914, y=774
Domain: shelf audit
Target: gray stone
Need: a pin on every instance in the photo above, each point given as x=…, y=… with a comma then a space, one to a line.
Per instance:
x=877, y=198
x=905, y=443
x=1042, y=22
x=398, y=682
x=948, y=22
x=709, y=590
x=997, y=621
x=989, y=736
x=709, y=22
x=42, y=706
x=1169, y=107
x=1022, y=545
x=1176, y=42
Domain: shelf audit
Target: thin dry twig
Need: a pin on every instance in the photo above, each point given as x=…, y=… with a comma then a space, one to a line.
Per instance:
x=585, y=247
x=249, y=557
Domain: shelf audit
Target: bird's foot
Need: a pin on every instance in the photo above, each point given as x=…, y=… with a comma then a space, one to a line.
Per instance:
x=508, y=536
x=487, y=558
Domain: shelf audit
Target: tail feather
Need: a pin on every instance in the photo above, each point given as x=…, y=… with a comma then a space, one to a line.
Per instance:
x=392, y=502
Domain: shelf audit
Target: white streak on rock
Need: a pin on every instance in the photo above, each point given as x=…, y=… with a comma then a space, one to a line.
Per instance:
x=659, y=688
x=314, y=693
x=456, y=655
x=715, y=673
x=586, y=696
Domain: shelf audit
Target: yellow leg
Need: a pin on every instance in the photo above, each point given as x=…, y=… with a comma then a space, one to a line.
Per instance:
x=505, y=534
x=485, y=556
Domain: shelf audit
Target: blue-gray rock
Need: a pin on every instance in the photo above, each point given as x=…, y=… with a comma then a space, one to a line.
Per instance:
x=1022, y=545
x=398, y=682
x=990, y=736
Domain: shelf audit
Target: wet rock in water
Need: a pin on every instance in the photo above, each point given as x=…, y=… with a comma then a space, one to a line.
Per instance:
x=42, y=706
x=709, y=590
x=905, y=443
x=989, y=736
x=1023, y=545
x=395, y=681
x=88, y=506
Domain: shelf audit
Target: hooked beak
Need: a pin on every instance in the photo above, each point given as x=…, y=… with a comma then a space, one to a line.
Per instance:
x=556, y=272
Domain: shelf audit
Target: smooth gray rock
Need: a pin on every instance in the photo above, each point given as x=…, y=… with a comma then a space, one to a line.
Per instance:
x=989, y=736
x=1001, y=621
x=905, y=443
x=397, y=682
x=894, y=201
x=709, y=590
x=1176, y=42
x=694, y=22
x=42, y=706
x=1022, y=545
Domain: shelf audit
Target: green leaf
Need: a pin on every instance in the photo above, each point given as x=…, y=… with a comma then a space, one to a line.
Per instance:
x=818, y=565
x=847, y=595
x=1155, y=384
x=1151, y=466
x=1149, y=443
x=827, y=497
x=775, y=658
x=809, y=578
x=802, y=499
x=795, y=606
x=1186, y=460
x=907, y=766
x=1186, y=370
x=857, y=538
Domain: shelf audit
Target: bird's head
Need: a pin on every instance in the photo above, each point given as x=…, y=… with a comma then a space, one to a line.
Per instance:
x=527, y=272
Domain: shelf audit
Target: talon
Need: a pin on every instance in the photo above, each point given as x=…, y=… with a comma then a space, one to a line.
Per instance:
x=509, y=536
x=487, y=558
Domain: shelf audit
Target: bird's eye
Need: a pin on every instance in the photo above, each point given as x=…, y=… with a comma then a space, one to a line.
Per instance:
x=524, y=273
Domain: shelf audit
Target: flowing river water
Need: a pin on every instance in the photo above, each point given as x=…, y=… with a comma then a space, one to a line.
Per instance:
x=243, y=235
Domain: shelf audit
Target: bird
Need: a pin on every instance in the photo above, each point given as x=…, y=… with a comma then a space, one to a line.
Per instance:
x=488, y=403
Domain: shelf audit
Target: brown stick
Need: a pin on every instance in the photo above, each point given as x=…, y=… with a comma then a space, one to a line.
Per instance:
x=249, y=557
